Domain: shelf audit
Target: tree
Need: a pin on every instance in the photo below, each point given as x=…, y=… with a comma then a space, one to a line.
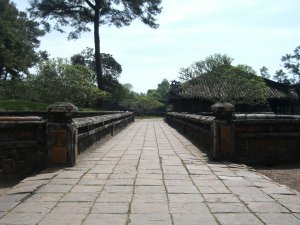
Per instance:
x=79, y=13
x=281, y=77
x=246, y=68
x=142, y=105
x=198, y=68
x=18, y=41
x=84, y=58
x=111, y=68
x=292, y=63
x=122, y=92
x=163, y=89
x=74, y=82
x=264, y=72
x=153, y=94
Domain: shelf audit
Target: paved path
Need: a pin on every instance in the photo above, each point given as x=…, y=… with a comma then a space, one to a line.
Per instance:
x=149, y=175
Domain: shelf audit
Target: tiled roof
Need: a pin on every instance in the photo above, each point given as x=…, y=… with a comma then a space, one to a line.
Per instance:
x=215, y=87
x=280, y=91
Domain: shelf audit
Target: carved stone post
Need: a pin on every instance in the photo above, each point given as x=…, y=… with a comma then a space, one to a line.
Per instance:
x=222, y=131
x=61, y=134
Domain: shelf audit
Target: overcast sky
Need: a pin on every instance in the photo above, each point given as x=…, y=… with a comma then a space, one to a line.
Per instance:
x=253, y=32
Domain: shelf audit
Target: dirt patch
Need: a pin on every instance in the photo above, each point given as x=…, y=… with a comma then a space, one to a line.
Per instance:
x=287, y=174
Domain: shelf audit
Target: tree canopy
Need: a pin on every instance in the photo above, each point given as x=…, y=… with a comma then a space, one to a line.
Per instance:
x=111, y=68
x=74, y=82
x=264, y=72
x=150, y=103
x=18, y=41
x=292, y=63
x=79, y=13
x=207, y=65
x=163, y=88
x=290, y=74
x=281, y=77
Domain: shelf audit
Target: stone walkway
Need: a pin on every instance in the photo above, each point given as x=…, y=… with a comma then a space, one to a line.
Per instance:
x=149, y=175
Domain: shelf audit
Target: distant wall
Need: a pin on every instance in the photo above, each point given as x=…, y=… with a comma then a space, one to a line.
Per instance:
x=248, y=138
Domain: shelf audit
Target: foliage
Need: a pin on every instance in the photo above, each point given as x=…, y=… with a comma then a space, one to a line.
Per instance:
x=247, y=69
x=125, y=92
x=207, y=65
x=281, y=77
x=146, y=104
x=142, y=105
x=57, y=80
x=113, y=100
x=161, y=93
x=153, y=94
x=163, y=90
x=15, y=89
x=292, y=63
x=264, y=72
x=78, y=14
x=111, y=68
x=84, y=58
x=18, y=41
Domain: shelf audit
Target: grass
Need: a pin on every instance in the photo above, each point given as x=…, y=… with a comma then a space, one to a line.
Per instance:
x=20, y=105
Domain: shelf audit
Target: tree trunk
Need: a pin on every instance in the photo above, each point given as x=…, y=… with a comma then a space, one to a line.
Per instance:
x=98, y=65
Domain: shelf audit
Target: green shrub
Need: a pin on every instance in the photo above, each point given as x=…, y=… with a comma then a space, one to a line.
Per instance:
x=14, y=89
x=56, y=81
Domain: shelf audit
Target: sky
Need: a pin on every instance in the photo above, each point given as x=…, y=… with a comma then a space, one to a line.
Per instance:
x=252, y=32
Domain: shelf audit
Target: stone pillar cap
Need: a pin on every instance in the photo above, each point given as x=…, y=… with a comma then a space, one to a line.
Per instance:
x=62, y=107
x=223, y=110
x=222, y=107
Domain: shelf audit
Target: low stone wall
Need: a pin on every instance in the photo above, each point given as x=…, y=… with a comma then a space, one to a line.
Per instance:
x=45, y=115
x=92, y=129
x=55, y=137
x=266, y=138
x=196, y=127
x=247, y=138
x=22, y=143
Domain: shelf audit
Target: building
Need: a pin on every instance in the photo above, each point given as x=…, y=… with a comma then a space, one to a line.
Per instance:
x=248, y=93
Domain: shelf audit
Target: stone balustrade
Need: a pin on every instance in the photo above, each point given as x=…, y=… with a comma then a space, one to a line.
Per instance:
x=248, y=138
x=58, y=136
